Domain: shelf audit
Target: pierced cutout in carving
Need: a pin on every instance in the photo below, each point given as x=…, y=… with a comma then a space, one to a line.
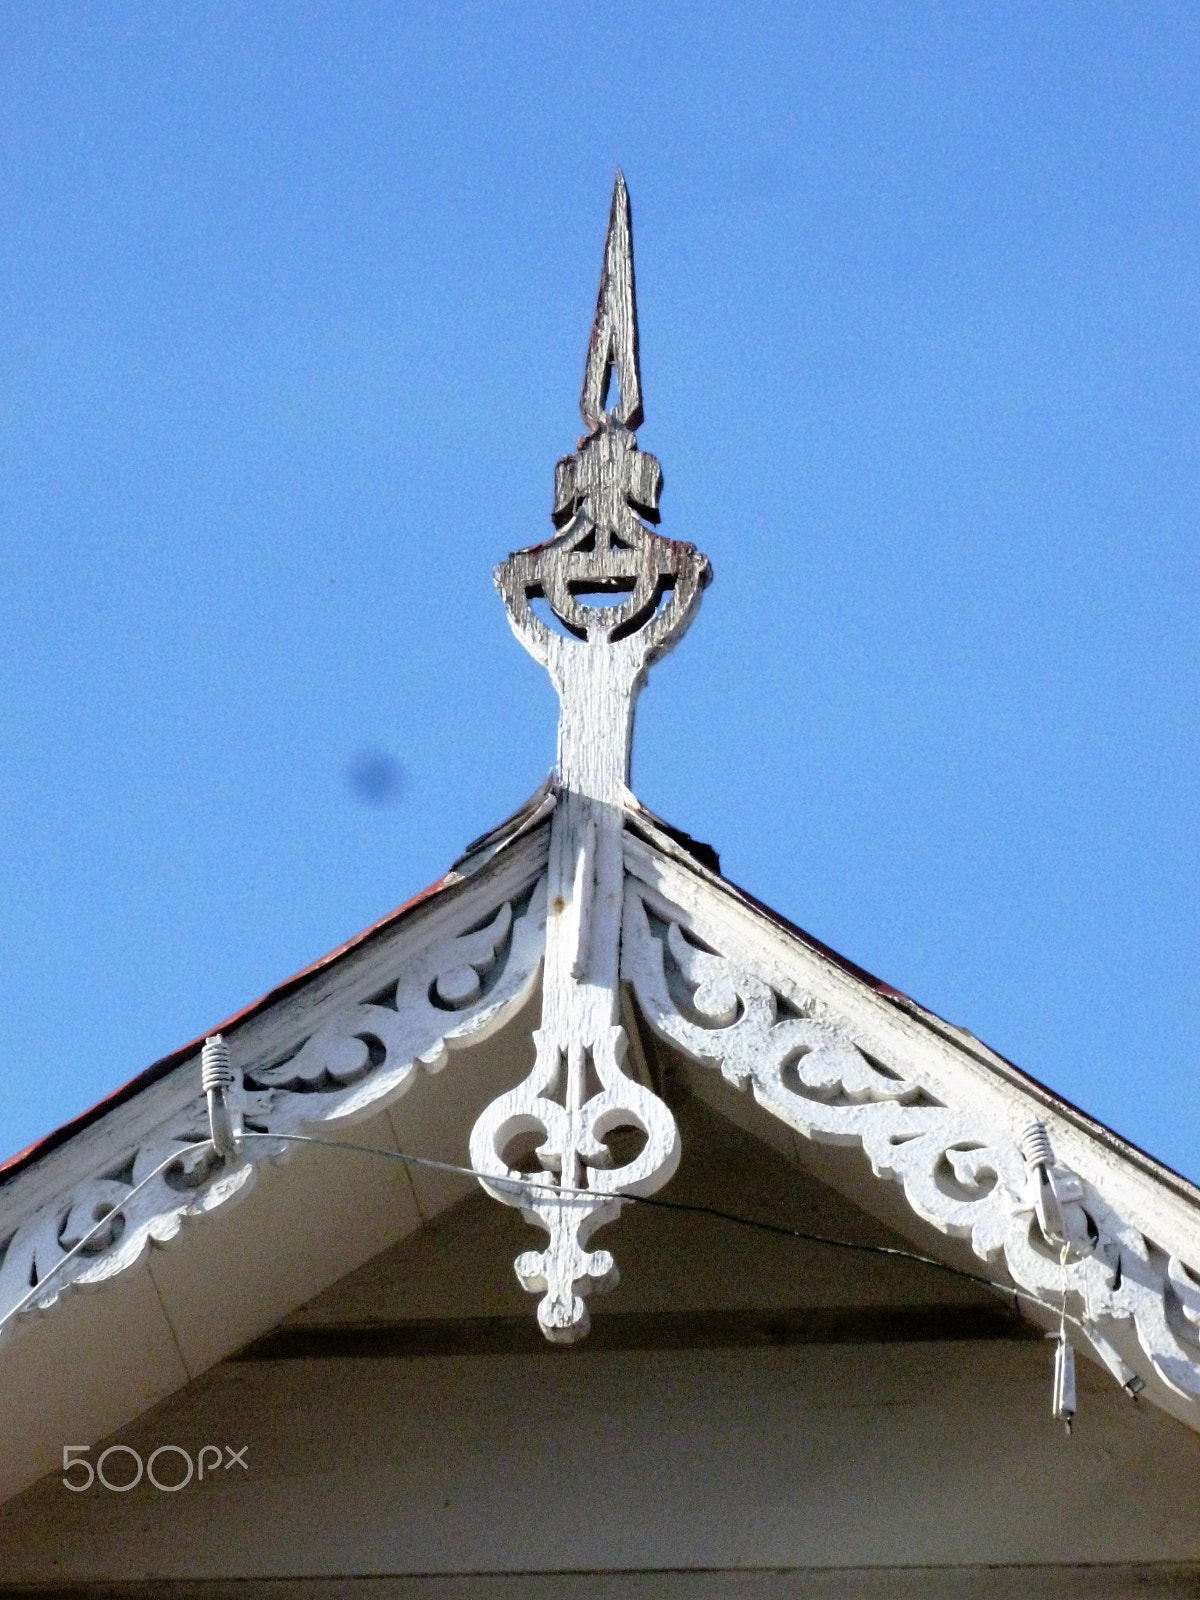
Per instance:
x=1183, y=1304
x=573, y=1135
x=361, y=1059
x=612, y=355
x=958, y=1173
x=966, y=1171
x=545, y=615
x=456, y=975
x=90, y=1206
x=607, y=577
x=596, y=604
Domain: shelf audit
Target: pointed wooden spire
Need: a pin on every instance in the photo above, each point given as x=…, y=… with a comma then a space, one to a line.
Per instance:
x=608, y=578
x=613, y=346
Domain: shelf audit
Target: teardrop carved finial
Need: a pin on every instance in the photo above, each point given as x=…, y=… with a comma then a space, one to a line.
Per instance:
x=622, y=595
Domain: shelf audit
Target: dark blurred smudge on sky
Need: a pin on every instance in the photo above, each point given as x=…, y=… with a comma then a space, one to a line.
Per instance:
x=375, y=777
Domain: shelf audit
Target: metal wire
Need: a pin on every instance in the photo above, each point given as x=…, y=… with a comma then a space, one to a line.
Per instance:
x=539, y=1187
x=536, y=1186
x=105, y=1221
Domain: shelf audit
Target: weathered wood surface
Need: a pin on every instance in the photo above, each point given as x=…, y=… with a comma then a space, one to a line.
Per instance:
x=842, y=1066
x=823, y=1054
x=613, y=347
x=622, y=595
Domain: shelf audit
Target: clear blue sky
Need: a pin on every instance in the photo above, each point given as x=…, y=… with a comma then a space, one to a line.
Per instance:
x=294, y=301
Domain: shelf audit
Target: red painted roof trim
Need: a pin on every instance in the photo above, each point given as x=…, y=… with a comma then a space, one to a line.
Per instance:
x=696, y=858
x=165, y=1064
x=647, y=824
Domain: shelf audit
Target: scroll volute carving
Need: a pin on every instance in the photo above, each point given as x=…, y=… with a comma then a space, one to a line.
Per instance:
x=960, y=1171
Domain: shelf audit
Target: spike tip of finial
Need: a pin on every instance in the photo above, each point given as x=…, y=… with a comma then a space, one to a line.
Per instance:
x=613, y=346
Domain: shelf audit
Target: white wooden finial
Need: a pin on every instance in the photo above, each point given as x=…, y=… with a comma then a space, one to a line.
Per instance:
x=622, y=596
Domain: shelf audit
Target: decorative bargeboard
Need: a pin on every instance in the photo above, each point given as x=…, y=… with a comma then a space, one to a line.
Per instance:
x=960, y=1173
x=616, y=596
x=457, y=993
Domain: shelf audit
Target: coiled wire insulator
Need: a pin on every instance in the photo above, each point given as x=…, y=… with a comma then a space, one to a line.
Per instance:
x=217, y=1079
x=215, y=1070
x=1035, y=1145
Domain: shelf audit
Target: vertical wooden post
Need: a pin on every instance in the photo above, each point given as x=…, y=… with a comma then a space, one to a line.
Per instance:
x=623, y=596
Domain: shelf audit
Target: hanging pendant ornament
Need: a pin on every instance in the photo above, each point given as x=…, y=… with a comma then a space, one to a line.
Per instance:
x=622, y=596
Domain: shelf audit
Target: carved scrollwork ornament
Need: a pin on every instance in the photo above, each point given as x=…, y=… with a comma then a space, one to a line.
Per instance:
x=620, y=596
x=363, y=1058
x=596, y=604
x=963, y=1175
